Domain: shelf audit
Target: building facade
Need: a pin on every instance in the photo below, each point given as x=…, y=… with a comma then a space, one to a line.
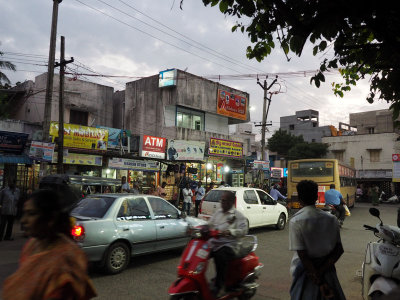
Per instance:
x=305, y=123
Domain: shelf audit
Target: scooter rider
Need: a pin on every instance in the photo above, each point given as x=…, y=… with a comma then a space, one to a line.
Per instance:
x=233, y=225
x=335, y=198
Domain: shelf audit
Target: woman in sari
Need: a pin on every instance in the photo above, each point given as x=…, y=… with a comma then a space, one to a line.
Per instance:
x=51, y=266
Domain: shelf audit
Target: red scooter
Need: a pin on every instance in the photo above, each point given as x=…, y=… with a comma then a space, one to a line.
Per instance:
x=192, y=283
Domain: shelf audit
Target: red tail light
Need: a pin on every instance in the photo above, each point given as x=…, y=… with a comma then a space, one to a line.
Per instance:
x=78, y=232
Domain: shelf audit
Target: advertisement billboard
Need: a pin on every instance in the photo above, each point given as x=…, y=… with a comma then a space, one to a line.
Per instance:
x=259, y=164
x=41, y=151
x=226, y=148
x=80, y=159
x=167, y=78
x=231, y=105
x=82, y=137
x=152, y=146
x=12, y=142
x=132, y=164
x=185, y=150
x=117, y=138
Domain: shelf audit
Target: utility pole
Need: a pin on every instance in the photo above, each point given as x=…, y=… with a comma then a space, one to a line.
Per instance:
x=49, y=84
x=62, y=64
x=265, y=87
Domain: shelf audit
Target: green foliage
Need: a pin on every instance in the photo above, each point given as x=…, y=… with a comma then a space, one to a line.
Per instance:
x=294, y=147
x=5, y=65
x=363, y=34
x=307, y=150
x=281, y=142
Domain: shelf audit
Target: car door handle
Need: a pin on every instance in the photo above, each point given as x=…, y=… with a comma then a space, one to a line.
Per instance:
x=248, y=207
x=215, y=206
x=264, y=208
x=125, y=229
x=162, y=227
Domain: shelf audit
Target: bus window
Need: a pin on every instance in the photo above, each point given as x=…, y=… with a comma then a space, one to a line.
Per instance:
x=312, y=169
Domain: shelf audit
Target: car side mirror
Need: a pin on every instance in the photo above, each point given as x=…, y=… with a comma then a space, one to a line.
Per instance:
x=183, y=215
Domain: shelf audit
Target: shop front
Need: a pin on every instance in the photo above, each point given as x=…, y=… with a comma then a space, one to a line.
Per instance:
x=225, y=162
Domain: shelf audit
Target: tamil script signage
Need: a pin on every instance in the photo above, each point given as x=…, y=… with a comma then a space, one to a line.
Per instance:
x=276, y=172
x=226, y=148
x=80, y=159
x=152, y=146
x=231, y=105
x=82, y=137
x=185, y=150
x=12, y=142
x=132, y=164
x=259, y=164
x=41, y=151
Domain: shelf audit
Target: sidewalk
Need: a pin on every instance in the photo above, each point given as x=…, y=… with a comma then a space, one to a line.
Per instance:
x=9, y=253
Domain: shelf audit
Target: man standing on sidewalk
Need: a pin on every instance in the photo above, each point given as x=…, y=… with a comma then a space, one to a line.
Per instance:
x=9, y=198
x=200, y=192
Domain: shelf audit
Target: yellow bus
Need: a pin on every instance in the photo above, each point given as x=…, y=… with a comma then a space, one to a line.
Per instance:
x=324, y=172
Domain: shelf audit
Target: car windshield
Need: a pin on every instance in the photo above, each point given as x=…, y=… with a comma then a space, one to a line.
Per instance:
x=94, y=207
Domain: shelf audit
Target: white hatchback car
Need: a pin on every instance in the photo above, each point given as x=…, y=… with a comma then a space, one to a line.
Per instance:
x=258, y=207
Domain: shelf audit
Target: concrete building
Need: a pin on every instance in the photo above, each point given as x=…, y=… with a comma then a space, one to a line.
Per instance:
x=86, y=103
x=245, y=132
x=185, y=111
x=305, y=123
x=369, y=150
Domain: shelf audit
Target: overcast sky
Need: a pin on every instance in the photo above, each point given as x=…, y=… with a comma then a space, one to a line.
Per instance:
x=139, y=38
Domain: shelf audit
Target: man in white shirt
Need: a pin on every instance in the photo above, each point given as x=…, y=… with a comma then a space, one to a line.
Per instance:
x=232, y=225
x=200, y=192
x=187, y=199
x=314, y=235
x=124, y=185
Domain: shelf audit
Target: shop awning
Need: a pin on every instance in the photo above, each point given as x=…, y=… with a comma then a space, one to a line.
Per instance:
x=15, y=159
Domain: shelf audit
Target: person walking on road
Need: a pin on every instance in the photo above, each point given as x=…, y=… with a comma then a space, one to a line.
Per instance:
x=9, y=198
x=276, y=194
x=335, y=198
x=52, y=266
x=187, y=199
x=314, y=236
x=200, y=192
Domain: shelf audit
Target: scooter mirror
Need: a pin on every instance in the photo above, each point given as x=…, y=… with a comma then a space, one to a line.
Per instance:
x=375, y=212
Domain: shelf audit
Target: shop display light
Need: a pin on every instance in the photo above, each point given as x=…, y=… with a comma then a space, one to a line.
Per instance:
x=226, y=169
x=209, y=166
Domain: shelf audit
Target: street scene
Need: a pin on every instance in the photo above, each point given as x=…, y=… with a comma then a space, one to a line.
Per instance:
x=199, y=150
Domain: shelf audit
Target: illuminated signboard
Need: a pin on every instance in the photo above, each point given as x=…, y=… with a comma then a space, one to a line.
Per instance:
x=231, y=105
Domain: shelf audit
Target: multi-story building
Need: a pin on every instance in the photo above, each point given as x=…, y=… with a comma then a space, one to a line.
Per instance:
x=186, y=107
x=369, y=149
x=305, y=123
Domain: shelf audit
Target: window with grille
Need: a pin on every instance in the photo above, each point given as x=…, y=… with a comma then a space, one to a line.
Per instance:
x=374, y=155
x=191, y=119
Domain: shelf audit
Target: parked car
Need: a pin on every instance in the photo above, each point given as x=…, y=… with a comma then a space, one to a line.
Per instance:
x=258, y=207
x=111, y=228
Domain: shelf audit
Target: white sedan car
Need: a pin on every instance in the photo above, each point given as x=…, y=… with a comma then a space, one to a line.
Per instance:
x=258, y=207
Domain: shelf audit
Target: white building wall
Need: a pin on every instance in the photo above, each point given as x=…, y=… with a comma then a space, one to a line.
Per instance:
x=356, y=147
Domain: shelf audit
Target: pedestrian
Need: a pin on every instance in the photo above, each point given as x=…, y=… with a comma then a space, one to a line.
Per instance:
x=135, y=189
x=52, y=266
x=161, y=190
x=314, y=235
x=124, y=185
x=276, y=194
x=187, y=199
x=222, y=184
x=374, y=194
x=9, y=198
x=335, y=198
x=200, y=192
x=210, y=187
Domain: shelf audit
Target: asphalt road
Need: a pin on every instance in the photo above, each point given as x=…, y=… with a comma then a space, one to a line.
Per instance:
x=148, y=277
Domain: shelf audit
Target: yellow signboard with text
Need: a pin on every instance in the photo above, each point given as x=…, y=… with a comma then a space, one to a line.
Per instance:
x=82, y=137
x=219, y=147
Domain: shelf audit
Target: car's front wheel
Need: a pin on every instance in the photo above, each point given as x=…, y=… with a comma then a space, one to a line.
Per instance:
x=280, y=225
x=117, y=258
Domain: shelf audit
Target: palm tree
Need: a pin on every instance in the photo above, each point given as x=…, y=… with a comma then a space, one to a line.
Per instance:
x=5, y=65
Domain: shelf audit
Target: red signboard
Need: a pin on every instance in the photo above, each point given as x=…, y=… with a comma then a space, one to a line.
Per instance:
x=152, y=146
x=395, y=157
x=231, y=105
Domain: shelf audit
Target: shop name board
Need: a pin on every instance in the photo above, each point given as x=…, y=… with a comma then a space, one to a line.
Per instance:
x=12, y=142
x=185, y=150
x=41, y=151
x=226, y=148
x=80, y=159
x=276, y=172
x=259, y=164
x=131, y=164
x=153, y=147
x=231, y=105
x=82, y=137
x=118, y=138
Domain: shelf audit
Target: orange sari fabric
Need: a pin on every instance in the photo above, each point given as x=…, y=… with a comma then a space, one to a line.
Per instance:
x=58, y=273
